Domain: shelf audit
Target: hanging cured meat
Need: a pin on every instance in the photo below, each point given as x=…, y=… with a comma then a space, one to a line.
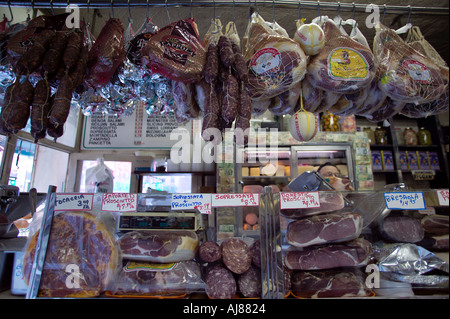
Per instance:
x=406, y=74
x=275, y=62
x=176, y=52
x=343, y=65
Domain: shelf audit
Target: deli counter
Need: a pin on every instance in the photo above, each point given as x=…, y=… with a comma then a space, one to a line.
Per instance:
x=316, y=244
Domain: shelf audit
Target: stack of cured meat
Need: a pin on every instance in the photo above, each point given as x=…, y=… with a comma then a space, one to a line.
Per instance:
x=326, y=250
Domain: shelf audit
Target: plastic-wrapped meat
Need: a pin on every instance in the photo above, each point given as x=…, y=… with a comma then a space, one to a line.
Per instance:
x=163, y=247
x=375, y=99
x=322, y=229
x=220, y=282
x=183, y=98
x=259, y=107
x=406, y=74
x=329, y=284
x=388, y=109
x=349, y=103
x=329, y=99
x=236, y=255
x=176, y=52
x=276, y=63
x=287, y=101
x=436, y=107
x=329, y=202
x=249, y=283
x=435, y=224
x=403, y=229
x=354, y=253
x=343, y=65
x=140, y=279
x=312, y=96
x=106, y=54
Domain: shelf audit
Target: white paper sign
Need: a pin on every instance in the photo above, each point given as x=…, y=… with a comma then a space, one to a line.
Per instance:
x=299, y=200
x=235, y=200
x=405, y=200
x=119, y=202
x=72, y=201
x=202, y=202
x=443, y=196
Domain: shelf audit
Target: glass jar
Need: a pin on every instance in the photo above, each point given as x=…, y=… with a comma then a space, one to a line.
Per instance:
x=410, y=136
x=424, y=137
x=330, y=122
x=370, y=134
x=380, y=136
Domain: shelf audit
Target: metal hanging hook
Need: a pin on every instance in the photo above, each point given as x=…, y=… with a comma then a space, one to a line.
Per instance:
x=318, y=8
x=130, y=18
x=51, y=6
x=273, y=11
x=409, y=14
x=234, y=17
x=384, y=13
x=10, y=11
x=167, y=11
x=299, y=9
x=354, y=10
x=214, y=9
x=190, y=10
x=112, y=8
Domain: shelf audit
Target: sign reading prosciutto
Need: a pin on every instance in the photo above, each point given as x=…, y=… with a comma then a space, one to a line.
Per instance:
x=299, y=200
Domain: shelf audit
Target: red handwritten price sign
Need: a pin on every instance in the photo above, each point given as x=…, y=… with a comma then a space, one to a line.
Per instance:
x=202, y=202
x=299, y=200
x=119, y=202
x=442, y=196
x=73, y=201
x=235, y=200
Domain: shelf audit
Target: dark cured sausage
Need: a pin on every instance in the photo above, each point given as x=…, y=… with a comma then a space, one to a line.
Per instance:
x=212, y=64
x=54, y=53
x=39, y=110
x=209, y=251
x=236, y=255
x=220, y=283
x=18, y=111
x=34, y=57
x=61, y=105
x=249, y=283
x=230, y=99
x=73, y=48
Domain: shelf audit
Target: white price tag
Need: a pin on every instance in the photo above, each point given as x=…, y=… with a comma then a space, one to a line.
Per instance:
x=119, y=202
x=73, y=201
x=235, y=200
x=442, y=196
x=202, y=202
x=405, y=200
x=299, y=200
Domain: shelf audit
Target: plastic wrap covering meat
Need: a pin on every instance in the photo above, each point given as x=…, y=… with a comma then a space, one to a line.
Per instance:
x=329, y=202
x=87, y=243
x=329, y=99
x=160, y=247
x=176, y=52
x=343, y=65
x=389, y=108
x=324, y=229
x=436, y=107
x=406, y=74
x=261, y=106
x=312, y=96
x=375, y=99
x=106, y=54
x=275, y=62
x=401, y=228
x=412, y=264
x=287, y=102
x=145, y=32
x=350, y=254
x=332, y=283
x=147, y=279
x=186, y=107
x=435, y=224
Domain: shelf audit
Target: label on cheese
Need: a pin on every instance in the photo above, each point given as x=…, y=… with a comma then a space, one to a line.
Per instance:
x=348, y=65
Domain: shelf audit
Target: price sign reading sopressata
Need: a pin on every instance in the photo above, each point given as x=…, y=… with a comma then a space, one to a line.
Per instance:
x=299, y=200
x=235, y=200
x=119, y=202
x=405, y=200
x=202, y=202
x=73, y=201
x=442, y=196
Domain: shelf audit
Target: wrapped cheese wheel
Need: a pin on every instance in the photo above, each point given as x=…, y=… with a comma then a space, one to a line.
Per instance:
x=276, y=63
x=310, y=37
x=303, y=125
x=176, y=52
